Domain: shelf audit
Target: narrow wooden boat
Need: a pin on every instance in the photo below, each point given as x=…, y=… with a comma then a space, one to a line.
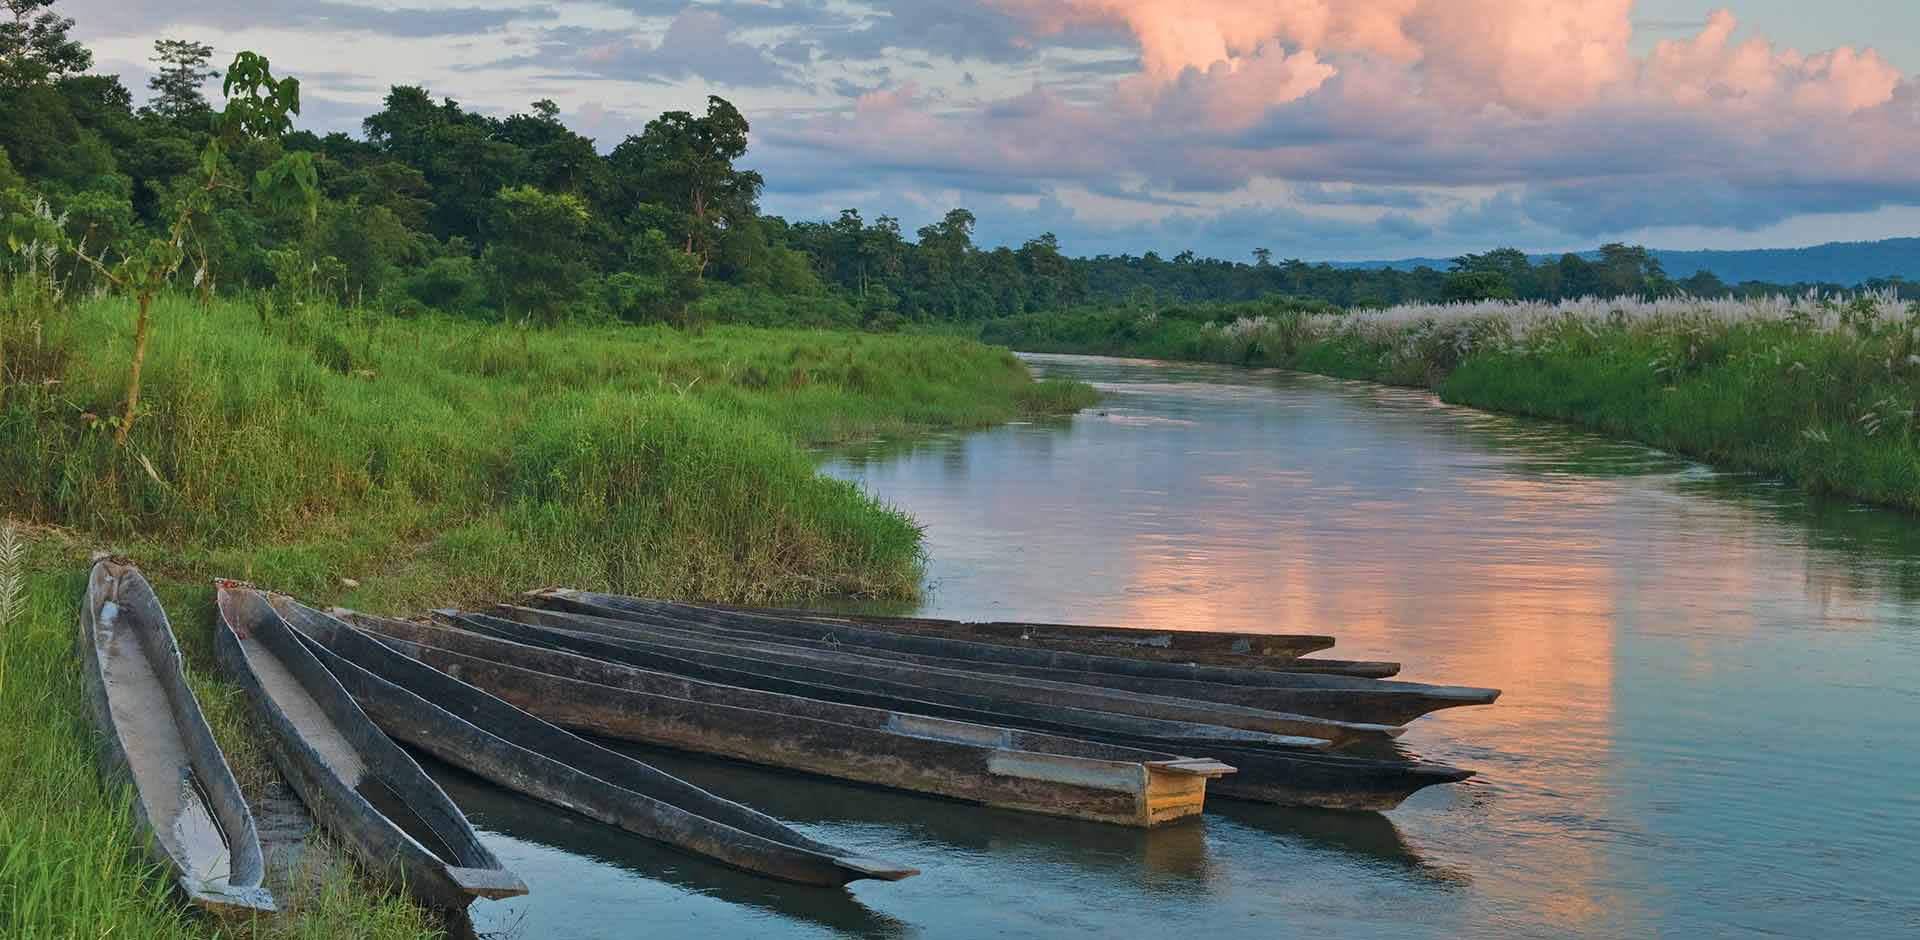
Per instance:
x=1274, y=653
x=1364, y=701
x=1001, y=767
x=1279, y=646
x=1269, y=772
x=1035, y=697
x=192, y=815
x=1287, y=777
x=354, y=779
x=468, y=728
x=709, y=662
x=987, y=654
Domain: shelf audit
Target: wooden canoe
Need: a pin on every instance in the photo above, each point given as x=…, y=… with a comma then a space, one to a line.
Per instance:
x=995, y=766
x=1364, y=701
x=1065, y=702
x=1264, y=773
x=354, y=779
x=468, y=728
x=193, y=818
x=979, y=652
x=1272, y=652
x=1277, y=646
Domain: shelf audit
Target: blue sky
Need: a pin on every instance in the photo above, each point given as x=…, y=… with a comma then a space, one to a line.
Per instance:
x=1335, y=129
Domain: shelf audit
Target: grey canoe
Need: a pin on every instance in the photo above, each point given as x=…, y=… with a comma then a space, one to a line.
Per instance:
x=1275, y=646
x=1008, y=768
x=354, y=779
x=1265, y=773
x=1341, y=698
x=153, y=735
x=471, y=729
x=1064, y=701
x=1272, y=652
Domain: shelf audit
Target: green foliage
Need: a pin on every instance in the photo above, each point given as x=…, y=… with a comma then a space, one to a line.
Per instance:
x=183, y=69
x=535, y=266
x=452, y=284
x=35, y=46
x=1476, y=286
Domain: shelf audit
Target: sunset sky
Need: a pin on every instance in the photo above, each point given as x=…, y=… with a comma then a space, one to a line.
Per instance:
x=1324, y=129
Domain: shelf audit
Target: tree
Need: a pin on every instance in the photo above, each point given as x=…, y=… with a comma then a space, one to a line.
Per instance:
x=259, y=108
x=686, y=163
x=1263, y=257
x=183, y=69
x=1475, y=286
x=34, y=46
x=536, y=264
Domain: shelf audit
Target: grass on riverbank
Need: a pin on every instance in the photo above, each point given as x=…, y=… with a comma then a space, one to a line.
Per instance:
x=1823, y=393
x=429, y=462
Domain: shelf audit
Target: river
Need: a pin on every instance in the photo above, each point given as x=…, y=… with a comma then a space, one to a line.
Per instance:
x=1710, y=726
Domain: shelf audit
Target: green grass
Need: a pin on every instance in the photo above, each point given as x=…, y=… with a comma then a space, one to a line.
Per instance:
x=1822, y=394
x=395, y=465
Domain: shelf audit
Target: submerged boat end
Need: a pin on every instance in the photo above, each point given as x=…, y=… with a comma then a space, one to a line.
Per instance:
x=490, y=883
x=877, y=870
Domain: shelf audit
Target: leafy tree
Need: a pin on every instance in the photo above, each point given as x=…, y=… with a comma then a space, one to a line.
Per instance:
x=35, y=47
x=183, y=70
x=1474, y=286
x=686, y=163
x=534, y=264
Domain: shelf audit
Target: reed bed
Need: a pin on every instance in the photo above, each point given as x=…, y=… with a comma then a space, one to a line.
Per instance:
x=1821, y=390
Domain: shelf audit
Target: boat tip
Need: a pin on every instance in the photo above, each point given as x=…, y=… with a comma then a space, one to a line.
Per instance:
x=878, y=871
x=231, y=900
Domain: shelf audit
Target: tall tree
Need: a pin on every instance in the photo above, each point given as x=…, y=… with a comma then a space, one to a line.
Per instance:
x=183, y=70
x=34, y=46
x=686, y=163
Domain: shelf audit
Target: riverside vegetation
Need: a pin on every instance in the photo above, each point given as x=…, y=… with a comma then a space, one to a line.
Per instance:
x=1819, y=390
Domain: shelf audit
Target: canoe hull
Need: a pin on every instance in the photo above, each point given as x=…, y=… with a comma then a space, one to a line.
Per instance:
x=153, y=736
x=981, y=764
x=352, y=777
x=515, y=750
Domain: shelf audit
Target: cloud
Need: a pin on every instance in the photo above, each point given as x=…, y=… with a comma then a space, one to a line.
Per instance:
x=698, y=43
x=94, y=18
x=1542, y=101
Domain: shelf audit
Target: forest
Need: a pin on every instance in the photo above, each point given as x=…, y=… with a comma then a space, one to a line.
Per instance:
x=435, y=206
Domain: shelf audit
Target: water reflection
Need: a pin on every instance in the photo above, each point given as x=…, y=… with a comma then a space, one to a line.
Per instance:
x=1684, y=653
x=586, y=879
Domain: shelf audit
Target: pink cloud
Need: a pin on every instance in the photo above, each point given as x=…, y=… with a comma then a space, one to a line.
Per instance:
x=1535, y=57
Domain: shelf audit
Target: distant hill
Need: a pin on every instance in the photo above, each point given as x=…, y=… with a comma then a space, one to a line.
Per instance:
x=1835, y=262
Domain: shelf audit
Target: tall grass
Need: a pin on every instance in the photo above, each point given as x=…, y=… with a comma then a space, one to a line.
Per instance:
x=1820, y=390
x=635, y=459
x=393, y=465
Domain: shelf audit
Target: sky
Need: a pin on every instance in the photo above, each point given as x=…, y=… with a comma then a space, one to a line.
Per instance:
x=1319, y=129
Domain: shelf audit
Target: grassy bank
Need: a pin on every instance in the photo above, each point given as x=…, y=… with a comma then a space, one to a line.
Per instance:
x=1822, y=393
x=393, y=465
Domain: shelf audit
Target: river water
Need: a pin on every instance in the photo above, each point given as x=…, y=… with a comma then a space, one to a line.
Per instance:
x=1710, y=727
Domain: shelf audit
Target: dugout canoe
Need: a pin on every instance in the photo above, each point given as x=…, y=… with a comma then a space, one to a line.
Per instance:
x=1362, y=701
x=191, y=813
x=1002, y=767
x=468, y=728
x=1265, y=773
x=982, y=653
x=355, y=780
x=1285, y=777
x=1248, y=645
x=1065, y=702
x=1273, y=653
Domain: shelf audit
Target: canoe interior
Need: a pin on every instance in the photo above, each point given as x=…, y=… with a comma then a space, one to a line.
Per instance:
x=499, y=742
x=153, y=734
x=352, y=777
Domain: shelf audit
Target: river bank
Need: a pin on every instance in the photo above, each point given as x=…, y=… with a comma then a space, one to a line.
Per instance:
x=395, y=464
x=1822, y=393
